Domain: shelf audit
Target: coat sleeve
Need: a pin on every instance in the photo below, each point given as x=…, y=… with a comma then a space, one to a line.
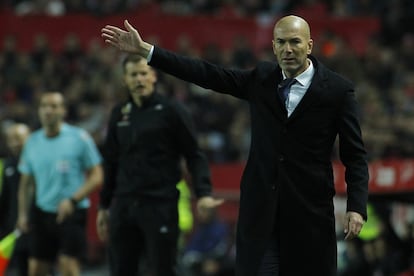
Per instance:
x=110, y=153
x=195, y=159
x=202, y=73
x=353, y=156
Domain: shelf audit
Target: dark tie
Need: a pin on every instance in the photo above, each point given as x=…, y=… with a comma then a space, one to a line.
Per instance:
x=284, y=88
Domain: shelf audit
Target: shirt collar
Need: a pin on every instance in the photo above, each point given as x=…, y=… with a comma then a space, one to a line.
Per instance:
x=306, y=76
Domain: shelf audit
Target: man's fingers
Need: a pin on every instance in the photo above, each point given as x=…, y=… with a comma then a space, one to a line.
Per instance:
x=349, y=236
x=108, y=32
x=112, y=29
x=218, y=202
x=108, y=37
x=210, y=204
x=356, y=226
x=213, y=203
x=112, y=43
x=352, y=230
x=351, y=227
x=111, y=40
x=129, y=26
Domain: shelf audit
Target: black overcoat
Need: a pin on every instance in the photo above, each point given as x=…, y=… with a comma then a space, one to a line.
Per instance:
x=288, y=180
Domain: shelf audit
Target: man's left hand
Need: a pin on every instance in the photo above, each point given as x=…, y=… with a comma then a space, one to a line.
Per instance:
x=208, y=202
x=352, y=225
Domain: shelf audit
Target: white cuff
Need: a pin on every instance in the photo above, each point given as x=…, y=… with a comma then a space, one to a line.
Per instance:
x=149, y=57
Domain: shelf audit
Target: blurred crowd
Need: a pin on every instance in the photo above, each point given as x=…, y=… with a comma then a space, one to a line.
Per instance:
x=90, y=78
x=217, y=7
x=384, y=77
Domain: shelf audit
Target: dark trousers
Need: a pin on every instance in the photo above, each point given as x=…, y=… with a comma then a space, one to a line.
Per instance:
x=270, y=261
x=142, y=229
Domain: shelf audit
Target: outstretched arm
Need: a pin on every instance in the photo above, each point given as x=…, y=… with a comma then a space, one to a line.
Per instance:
x=127, y=40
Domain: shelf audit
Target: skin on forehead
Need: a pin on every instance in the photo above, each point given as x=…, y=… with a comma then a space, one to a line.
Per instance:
x=292, y=24
x=55, y=97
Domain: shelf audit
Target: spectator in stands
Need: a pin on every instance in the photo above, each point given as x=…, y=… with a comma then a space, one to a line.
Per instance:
x=286, y=206
x=16, y=135
x=147, y=137
x=63, y=164
x=40, y=52
x=206, y=253
x=9, y=53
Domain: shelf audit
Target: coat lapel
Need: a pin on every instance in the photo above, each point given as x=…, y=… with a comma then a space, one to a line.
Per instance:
x=271, y=97
x=271, y=81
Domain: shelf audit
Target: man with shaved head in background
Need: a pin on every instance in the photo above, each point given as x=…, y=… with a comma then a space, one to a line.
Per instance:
x=298, y=107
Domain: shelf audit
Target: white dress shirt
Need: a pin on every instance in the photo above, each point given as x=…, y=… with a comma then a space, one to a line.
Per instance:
x=299, y=88
x=149, y=57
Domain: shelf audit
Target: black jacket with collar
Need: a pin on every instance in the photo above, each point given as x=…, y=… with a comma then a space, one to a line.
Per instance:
x=288, y=182
x=143, y=150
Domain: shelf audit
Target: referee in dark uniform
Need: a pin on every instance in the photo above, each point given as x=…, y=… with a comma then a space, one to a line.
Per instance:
x=147, y=137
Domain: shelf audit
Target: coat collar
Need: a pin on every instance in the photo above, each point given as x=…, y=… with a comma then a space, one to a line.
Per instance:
x=271, y=98
x=312, y=94
x=319, y=83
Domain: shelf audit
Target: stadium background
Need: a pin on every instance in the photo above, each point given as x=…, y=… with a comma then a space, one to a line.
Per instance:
x=56, y=45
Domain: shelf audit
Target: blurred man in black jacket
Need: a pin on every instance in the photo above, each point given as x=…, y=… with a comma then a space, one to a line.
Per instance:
x=147, y=136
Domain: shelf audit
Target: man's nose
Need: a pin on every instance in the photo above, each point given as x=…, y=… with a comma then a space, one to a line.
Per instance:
x=288, y=47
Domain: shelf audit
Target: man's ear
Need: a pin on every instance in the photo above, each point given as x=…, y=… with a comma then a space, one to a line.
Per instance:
x=273, y=47
x=310, y=46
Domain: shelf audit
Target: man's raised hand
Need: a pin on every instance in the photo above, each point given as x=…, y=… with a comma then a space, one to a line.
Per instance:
x=128, y=40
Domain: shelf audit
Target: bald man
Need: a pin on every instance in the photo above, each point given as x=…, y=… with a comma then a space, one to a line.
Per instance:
x=298, y=108
x=16, y=135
